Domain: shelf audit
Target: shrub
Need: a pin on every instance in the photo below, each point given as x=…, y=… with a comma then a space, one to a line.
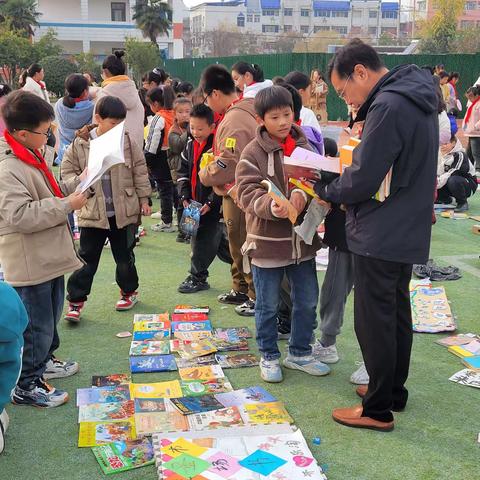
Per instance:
x=57, y=70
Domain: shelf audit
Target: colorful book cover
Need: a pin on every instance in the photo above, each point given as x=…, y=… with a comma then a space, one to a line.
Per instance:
x=110, y=394
x=153, y=317
x=149, y=326
x=165, y=422
x=237, y=360
x=191, y=309
x=472, y=362
x=153, y=363
x=198, y=404
x=122, y=456
x=193, y=336
x=93, y=434
x=147, y=347
x=148, y=405
x=189, y=317
x=223, y=418
x=208, y=372
x=231, y=334
x=196, y=362
x=466, y=350
x=195, y=349
x=248, y=395
x=102, y=412
x=191, y=326
x=110, y=380
x=461, y=339
x=160, y=389
x=470, y=378
x=193, y=388
x=151, y=335
x=280, y=199
x=261, y=413
x=230, y=345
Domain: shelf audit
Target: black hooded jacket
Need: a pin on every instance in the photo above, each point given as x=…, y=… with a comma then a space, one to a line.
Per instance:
x=400, y=130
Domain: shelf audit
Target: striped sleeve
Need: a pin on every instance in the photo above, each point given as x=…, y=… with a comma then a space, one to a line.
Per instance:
x=155, y=135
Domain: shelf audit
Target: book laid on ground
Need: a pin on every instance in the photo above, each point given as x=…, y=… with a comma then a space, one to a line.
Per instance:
x=153, y=317
x=280, y=199
x=198, y=404
x=122, y=456
x=196, y=362
x=149, y=326
x=150, y=347
x=237, y=360
x=191, y=309
x=260, y=413
x=153, y=363
x=470, y=378
x=193, y=336
x=460, y=339
x=93, y=434
x=157, y=415
x=189, y=317
x=470, y=349
x=207, y=372
x=231, y=334
x=102, y=412
x=151, y=335
x=148, y=405
x=192, y=388
x=237, y=398
x=109, y=380
x=229, y=345
x=159, y=389
x=472, y=362
x=191, y=326
x=222, y=418
x=110, y=394
x=195, y=349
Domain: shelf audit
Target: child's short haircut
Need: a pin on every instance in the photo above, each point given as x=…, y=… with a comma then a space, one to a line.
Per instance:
x=217, y=77
x=330, y=146
x=272, y=98
x=298, y=79
x=25, y=111
x=181, y=101
x=111, y=107
x=163, y=95
x=203, y=111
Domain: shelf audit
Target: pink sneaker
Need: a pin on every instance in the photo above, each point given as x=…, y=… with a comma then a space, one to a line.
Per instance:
x=74, y=310
x=127, y=302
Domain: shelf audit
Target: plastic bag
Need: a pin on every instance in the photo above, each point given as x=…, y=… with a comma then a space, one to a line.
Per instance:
x=191, y=219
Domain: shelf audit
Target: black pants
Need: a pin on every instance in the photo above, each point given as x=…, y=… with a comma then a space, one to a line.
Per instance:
x=383, y=324
x=210, y=241
x=458, y=187
x=160, y=173
x=92, y=240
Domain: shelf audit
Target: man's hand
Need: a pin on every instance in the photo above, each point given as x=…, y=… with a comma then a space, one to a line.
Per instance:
x=205, y=209
x=77, y=200
x=145, y=209
x=297, y=199
x=279, y=211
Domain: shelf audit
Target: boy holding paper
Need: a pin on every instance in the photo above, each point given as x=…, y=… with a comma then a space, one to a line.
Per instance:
x=112, y=212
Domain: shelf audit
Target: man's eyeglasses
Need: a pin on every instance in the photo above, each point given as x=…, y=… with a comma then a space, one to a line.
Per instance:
x=206, y=97
x=47, y=133
x=342, y=93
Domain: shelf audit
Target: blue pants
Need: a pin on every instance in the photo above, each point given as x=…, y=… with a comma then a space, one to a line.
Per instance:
x=304, y=295
x=44, y=305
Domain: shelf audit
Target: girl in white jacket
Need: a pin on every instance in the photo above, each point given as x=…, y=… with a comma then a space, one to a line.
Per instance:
x=33, y=81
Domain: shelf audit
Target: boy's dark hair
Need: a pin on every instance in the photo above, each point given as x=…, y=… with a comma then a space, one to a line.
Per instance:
x=4, y=89
x=272, y=98
x=181, y=101
x=185, y=88
x=75, y=85
x=157, y=75
x=203, y=111
x=453, y=75
x=163, y=95
x=354, y=53
x=298, y=79
x=255, y=70
x=111, y=107
x=217, y=77
x=330, y=146
x=114, y=64
x=443, y=74
x=25, y=111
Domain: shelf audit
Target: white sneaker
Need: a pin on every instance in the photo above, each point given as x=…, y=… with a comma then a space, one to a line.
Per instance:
x=58, y=369
x=360, y=376
x=325, y=354
x=307, y=364
x=270, y=371
x=4, y=420
x=156, y=215
x=163, y=227
x=3, y=429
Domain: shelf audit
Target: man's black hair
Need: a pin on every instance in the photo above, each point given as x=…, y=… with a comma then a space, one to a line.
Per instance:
x=217, y=77
x=355, y=52
x=255, y=70
x=272, y=98
x=203, y=111
x=330, y=146
x=25, y=111
x=298, y=79
x=114, y=64
x=111, y=107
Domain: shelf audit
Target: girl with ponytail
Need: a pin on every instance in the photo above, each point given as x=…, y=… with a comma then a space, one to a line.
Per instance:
x=249, y=79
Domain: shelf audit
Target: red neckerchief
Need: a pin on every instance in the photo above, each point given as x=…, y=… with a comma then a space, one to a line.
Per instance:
x=298, y=122
x=470, y=110
x=33, y=159
x=80, y=99
x=288, y=146
x=42, y=85
x=197, y=150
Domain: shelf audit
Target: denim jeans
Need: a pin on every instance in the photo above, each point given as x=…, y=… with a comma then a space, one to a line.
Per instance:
x=304, y=294
x=44, y=305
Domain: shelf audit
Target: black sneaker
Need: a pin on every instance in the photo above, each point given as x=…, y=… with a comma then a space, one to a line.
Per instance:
x=181, y=238
x=283, y=330
x=233, y=297
x=39, y=394
x=246, y=309
x=192, y=285
x=461, y=208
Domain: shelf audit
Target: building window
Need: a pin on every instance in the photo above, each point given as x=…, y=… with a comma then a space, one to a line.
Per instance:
x=304, y=12
x=422, y=6
x=288, y=12
x=322, y=13
x=270, y=13
x=372, y=14
x=339, y=14
x=270, y=28
x=304, y=28
x=471, y=6
x=467, y=24
x=119, y=12
x=340, y=30
x=321, y=28
x=256, y=19
x=249, y=18
x=390, y=15
x=288, y=28
x=240, y=20
x=357, y=14
x=372, y=31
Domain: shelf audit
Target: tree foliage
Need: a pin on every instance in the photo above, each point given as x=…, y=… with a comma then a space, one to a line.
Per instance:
x=15, y=55
x=22, y=15
x=86, y=63
x=57, y=69
x=153, y=18
x=141, y=57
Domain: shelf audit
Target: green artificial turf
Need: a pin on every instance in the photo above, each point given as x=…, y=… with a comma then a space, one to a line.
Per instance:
x=434, y=439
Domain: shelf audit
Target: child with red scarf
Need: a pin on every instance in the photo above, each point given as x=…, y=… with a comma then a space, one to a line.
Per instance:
x=272, y=244
x=36, y=247
x=210, y=239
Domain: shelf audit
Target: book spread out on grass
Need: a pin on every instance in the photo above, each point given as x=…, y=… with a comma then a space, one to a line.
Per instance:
x=161, y=389
x=198, y=404
x=153, y=363
x=191, y=326
x=102, y=412
x=153, y=317
x=189, y=317
x=150, y=347
x=207, y=372
x=466, y=350
x=109, y=380
x=196, y=362
x=93, y=434
x=231, y=334
x=122, y=456
x=151, y=335
x=460, y=339
x=149, y=326
x=192, y=388
x=271, y=412
x=147, y=405
x=237, y=398
x=280, y=199
x=473, y=363
x=222, y=418
x=110, y=394
x=147, y=423
x=195, y=349
x=193, y=336
x=237, y=360
x=229, y=345
x=468, y=377
x=191, y=309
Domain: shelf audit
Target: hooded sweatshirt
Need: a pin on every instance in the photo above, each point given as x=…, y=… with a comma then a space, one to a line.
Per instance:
x=400, y=131
x=251, y=91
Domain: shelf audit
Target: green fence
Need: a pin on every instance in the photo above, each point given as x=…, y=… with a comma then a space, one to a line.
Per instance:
x=191, y=68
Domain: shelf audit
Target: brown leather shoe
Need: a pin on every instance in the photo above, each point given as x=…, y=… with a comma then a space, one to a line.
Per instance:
x=362, y=390
x=352, y=417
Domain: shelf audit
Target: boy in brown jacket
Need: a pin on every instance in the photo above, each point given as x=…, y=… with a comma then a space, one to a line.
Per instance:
x=272, y=244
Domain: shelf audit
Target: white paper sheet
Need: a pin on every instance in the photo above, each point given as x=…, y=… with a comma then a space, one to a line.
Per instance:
x=306, y=159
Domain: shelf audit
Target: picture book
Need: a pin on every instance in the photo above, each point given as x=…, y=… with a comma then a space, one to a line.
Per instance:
x=197, y=404
x=148, y=405
x=111, y=394
x=193, y=336
x=102, y=412
x=271, y=412
x=231, y=334
x=196, y=362
x=110, y=380
x=192, y=388
x=237, y=398
x=191, y=309
x=473, y=363
x=153, y=317
x=151, y=335
x=222, y=418
x=93, y=434
x=122, y=456
x=189, y=317
x=460, y=339
x=237, y=360
x=431, y=311
x=195, y=349
x=190, y=218
x=468, y=377
x=152, y=363
x=466, y=350
x=191, y=326
x=280, y=199
x=149, y=326
x=305, y=185
x=304, y=163
x=160, y=389
x=228, y=345
x=147, y=347
x=207, y=372
x=148, y=423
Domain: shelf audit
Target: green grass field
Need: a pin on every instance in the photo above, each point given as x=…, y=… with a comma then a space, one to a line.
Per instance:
x=434, y=439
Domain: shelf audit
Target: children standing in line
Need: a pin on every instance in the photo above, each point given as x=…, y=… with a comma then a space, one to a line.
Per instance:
x=112, y=212
x=272, y=244
x=210, y=239
x=36, y=247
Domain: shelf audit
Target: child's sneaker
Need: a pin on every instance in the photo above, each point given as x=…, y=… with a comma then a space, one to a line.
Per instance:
x=107, y=244
x=192, y=285
x=246, y=309
x=163, y=227
x=3, y=429
x=39, y=394
x=270, y=371
x=127, y=302
x=233, y=297
x=156, y=215
x=4, y=420
x=58, y=369
x=307, y=364
x=360, y=376
x=74, y=311
x=141, y=231
x=325, y=354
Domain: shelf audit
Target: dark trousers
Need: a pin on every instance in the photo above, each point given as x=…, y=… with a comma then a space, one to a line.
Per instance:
x=473, y=151
x=160, y=173
x=44, y=305
x=457, y=187
x=383, y=324
x=209, y=242
x=92, y=240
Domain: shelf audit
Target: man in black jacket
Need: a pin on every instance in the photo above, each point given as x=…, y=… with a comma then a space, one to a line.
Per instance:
x=386, y=233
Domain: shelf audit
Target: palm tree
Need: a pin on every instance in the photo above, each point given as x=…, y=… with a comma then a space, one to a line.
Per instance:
x=153, y=18
x=22, y=15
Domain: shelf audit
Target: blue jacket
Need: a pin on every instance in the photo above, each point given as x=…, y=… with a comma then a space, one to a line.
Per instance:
x=13, y=322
